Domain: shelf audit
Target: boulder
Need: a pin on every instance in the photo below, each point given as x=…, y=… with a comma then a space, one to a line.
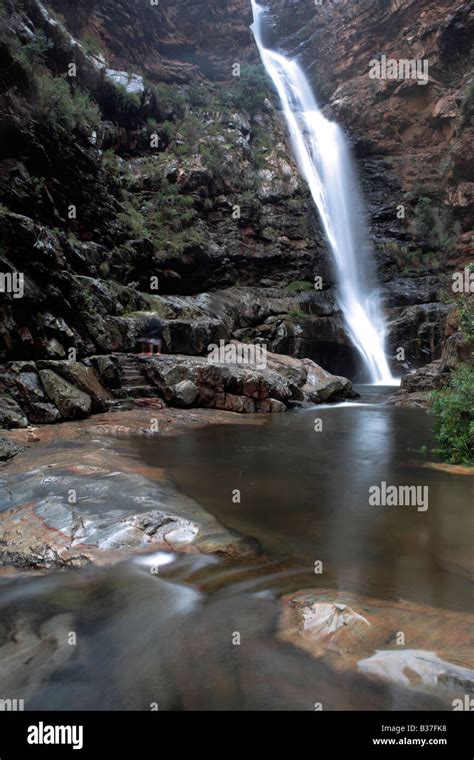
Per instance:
x=70, y=401
x=185, y=392
x=321, y=386
x=11, y=414
x=8, y=449
x=82, y=377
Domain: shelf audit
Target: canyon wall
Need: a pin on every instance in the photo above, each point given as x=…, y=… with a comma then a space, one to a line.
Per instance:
x=154, y=179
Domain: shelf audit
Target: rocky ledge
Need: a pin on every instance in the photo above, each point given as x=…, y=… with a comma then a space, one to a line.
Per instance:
x=77, y=494
x=417, y=385
x=52, y=391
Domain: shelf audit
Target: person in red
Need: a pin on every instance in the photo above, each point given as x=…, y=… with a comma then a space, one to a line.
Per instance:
x=151, y=339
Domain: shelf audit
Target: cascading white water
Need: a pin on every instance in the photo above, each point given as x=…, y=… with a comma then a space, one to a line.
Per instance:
x=325, y=162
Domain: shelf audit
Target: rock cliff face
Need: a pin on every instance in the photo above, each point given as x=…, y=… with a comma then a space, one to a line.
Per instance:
x=138, y=174
x=171, y=41
x=411, y=140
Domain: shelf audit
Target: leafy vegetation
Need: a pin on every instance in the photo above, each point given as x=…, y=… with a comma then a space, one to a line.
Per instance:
x=453, y=407
x=423, y=216
x=465, y=304
x=211, y=159
x=407, y=259
x=453, y=410
x=299, y=286
x=171, y=99
x=198, y=95
x=296, y=315
x=33, y=52
x=56, y=105
x=168, y=220
x=434, y=224
x=119, y=104
x=91, y=43
x=250, y=89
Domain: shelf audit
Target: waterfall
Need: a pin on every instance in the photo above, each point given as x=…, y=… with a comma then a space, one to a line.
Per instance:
x=325, y=162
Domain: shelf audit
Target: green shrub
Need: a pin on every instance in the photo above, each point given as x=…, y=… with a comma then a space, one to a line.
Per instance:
x=250, y=89
x=91, y=43
x=465, y=304
x=33, y=52
x=453, y=410
x=295, y=315
x=299, y=286
x=55, y=105
x=198, y=95
x=170, y=98
x=424, y=216
x=133, y=219
x=248, y=198
x=211, y=159
x=168, y=220
x=122, y=101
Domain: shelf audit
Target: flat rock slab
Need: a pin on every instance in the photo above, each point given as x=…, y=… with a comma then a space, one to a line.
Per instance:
x=396, y=641
x=83, y=496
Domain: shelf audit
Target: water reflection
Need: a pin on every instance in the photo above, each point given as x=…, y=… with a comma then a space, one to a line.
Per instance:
x=167, y=638
x=304, y=494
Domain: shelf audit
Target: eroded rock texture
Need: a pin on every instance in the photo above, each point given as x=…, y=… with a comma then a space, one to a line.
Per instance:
x=152, y=179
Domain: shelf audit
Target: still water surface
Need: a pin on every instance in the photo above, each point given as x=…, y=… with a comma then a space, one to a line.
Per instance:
x=167, y=639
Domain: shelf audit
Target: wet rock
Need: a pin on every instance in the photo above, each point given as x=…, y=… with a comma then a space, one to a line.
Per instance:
x=355, y=632
x=70, y=401
x=8, y=449
x=40, y=413
x=25, y=386
x=420, y=329
x=185, y=392
x=11, y=414
x=82, y=377
x=108, y=371
x=321, y=386
x=414, y=666
x=415, y=388
x=122, y=507
x=163, y=527
x=55, y=349
x=238, y=386
x=62, y=390
x=270, y=405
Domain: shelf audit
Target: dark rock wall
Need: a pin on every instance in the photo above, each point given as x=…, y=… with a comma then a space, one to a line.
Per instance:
x=166, y=214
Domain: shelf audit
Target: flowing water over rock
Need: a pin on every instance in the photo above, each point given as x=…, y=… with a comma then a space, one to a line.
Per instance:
x=324, y=160
x=188, y=631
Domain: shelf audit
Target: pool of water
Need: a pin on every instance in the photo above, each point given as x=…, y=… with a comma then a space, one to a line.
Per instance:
x=300, y=485
x=126, y=638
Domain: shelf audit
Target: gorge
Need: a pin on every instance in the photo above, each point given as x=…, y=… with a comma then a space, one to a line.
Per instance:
x=213, y=523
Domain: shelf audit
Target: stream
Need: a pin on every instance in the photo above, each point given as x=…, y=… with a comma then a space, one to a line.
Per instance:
x=159, y=631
